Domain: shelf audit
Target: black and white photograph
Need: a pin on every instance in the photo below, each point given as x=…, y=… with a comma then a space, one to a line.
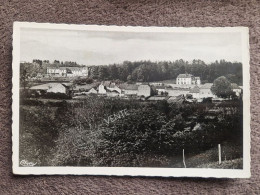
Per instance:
x=136, y=101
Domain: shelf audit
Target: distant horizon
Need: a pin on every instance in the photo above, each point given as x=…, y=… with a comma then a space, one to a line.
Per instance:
x=190, y=61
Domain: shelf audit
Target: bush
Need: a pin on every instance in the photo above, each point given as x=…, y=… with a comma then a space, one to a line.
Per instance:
x=150, y=135
x=52, y=95
x=38, y=133
x=31, y=102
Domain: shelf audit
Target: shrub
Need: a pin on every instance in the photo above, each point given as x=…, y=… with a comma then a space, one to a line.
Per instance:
x=31, y=102
x=52, y=95
x=38, y=133
x=149, y=136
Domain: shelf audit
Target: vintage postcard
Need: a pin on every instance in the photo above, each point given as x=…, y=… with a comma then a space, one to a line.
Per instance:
x=137, y=101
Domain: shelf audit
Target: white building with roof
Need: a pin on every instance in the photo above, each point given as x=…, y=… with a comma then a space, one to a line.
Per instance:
x=174, y=92
x=51, y=88
x=67, y=71
x=187, y=79
x=129, y=89
x=195, y=92
x=237, y=89
x=205, y=91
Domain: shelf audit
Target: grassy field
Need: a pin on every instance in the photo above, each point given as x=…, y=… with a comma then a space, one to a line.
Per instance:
x=231, y=157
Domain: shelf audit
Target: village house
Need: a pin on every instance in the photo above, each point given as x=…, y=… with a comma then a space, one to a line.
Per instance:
x=81, y=88
x=187, y=79
x=195, y=92
x=112, y=86
x=50, y=88
x=129, y=89
x=67, y=71
x=237, y=89
x=108, y=86
x=205, y=91
x=160, y=89
x=144, y=90
x=173, y=92
x=84, y=89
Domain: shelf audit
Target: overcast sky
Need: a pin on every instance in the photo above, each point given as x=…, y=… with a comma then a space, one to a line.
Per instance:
x=102, y=48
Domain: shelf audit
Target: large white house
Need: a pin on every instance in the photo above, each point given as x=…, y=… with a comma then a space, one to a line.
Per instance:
x=67, y=71
x=187, y=79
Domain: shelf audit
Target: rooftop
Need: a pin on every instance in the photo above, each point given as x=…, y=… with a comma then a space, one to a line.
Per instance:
x=177, y=89
x=128, y=86
x=184, y=76
x=46, y=86
x=160, y=87
x=235, y=86
x=196, y=89
x=178, y=99
x=206, y=86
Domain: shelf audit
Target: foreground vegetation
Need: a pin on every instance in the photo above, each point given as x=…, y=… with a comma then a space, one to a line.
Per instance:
x=151, y=134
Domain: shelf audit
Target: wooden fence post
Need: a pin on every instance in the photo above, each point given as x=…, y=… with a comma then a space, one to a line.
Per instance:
x=219, y=154
x=183, y=158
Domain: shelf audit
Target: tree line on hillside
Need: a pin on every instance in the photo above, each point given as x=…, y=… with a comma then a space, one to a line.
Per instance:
x=147, y=71
x=56, y=63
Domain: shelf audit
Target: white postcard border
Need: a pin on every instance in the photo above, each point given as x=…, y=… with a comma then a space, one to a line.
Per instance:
x=130, y=171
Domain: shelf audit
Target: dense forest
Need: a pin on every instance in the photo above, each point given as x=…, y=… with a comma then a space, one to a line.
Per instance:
x=147, y=71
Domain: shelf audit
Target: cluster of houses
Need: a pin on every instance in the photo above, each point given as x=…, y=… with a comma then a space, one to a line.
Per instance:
x=188, y=85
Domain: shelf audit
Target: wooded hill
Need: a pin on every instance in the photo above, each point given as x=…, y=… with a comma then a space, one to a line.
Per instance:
x=147, y=71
